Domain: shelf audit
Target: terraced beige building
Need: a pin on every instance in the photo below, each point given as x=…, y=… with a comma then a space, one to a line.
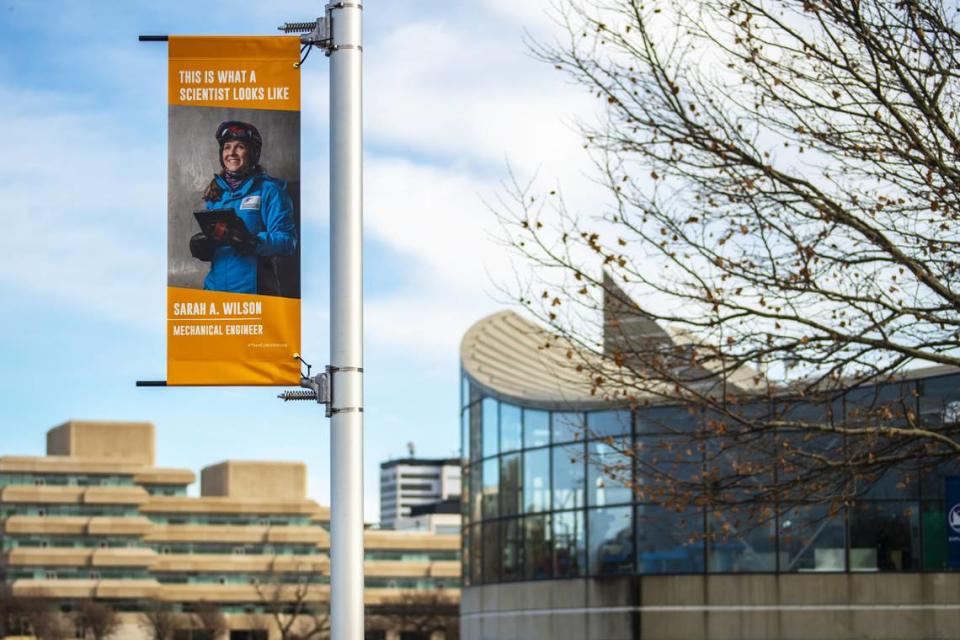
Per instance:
x=96, y=519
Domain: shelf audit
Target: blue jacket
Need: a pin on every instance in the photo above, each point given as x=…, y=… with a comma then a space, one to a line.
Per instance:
x=266, y=209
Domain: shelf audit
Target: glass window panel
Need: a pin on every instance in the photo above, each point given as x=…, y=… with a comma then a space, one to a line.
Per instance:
x=491, y=487
x=538, y=547
x=885, y=404
x=608, y=423
x=812, y=540
x=465, y=494
x=741, y=541
x=476, y=492
x=900, y=482
x=741, y=467
x=536, y=428
x=666, y=466
x=491, y=552
x=510, y=495
x=802, y=412
x=464, y=391
x=476, y=431
x=933, y=480
x=934, y=525
x=511, y=536
x=476, y=554
x=568, y=476
x=669, y=541
x=465, y=554
x=536, y=480
x=609, y=472
x=465, y=435
x=511, y=428
x=799, y=469
x=665, y=451
x=568, y=545
x=491, y=435
x=677, y=419
x=611, y=540
x=884, y=536
x=567, y=426
x=939, y=400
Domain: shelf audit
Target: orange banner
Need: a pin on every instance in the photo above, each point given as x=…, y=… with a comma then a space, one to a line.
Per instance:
x=227, y=338
x=234, y=71
x=233, y=294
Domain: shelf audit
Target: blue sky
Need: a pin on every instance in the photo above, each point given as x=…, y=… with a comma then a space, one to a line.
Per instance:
x=451, y=97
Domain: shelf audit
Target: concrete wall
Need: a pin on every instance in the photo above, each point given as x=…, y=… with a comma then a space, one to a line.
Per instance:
x=722, y=607
x=255, y=480
x=131, y=442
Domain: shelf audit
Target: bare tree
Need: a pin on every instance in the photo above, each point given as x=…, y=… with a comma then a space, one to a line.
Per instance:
x=13, y=620
x=294, y=602
x=209, y=619
x=32, y=613
x=45, y=620
x=95, y=620
x=783, y=201
x=159, y=620
x=423, y=612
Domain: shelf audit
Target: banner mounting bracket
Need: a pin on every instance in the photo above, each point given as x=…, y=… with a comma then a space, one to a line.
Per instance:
x=318, y=387
x=318, y=33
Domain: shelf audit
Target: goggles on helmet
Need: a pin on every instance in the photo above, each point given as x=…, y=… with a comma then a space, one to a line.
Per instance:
x=234, y=130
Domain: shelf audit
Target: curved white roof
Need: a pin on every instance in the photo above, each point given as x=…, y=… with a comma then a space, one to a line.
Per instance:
x=508, y=355
x=512, y=357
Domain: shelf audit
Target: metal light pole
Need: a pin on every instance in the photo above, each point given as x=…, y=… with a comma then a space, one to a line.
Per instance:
x=346, y=323
x=340, y=387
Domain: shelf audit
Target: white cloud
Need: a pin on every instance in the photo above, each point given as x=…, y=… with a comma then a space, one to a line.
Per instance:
x=82, y=209
x=533, y=15
x=439, y=89
x=435, y=219
x=435, y=214
x=452, y=109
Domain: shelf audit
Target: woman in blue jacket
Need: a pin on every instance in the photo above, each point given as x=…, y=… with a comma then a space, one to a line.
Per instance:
x=264, y=206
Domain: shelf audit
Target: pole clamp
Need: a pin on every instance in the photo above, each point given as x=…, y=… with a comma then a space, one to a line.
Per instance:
x=350, y=390
x=319, y=32
x=320, y=387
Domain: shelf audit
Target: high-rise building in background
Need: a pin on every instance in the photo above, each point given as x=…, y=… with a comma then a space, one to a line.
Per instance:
x=95, y=520
x=409, y=483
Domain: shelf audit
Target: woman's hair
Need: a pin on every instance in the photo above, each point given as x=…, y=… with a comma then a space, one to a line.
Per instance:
x=214, y=191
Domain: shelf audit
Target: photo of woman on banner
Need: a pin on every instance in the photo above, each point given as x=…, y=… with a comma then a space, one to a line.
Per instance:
x=243, y=253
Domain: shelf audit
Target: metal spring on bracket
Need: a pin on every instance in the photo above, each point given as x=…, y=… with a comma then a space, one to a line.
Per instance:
x=298, y=394
x=298, y=27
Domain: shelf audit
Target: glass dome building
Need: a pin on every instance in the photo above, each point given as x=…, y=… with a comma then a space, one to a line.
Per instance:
x=556, y=546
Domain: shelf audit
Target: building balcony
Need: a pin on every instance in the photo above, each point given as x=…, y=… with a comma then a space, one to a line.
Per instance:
x=79, y=557
x=412, y=569
x=264, y=564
